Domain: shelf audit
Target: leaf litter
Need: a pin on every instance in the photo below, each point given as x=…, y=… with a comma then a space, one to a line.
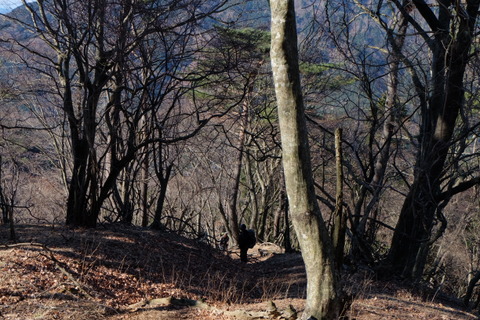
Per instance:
x=124, y=272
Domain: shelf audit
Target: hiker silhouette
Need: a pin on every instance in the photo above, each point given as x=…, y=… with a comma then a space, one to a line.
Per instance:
x=246, y=240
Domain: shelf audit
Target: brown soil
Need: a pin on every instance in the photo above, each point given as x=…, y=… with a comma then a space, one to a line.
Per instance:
x=118, y=272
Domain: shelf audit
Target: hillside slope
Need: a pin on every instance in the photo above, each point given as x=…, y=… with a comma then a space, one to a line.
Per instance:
x=120, y=272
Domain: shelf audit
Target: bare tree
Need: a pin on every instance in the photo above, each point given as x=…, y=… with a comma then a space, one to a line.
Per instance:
x=91, y=59
x=452, y=29
x=412, y=140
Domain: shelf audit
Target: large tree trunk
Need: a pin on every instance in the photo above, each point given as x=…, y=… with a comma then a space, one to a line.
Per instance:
x=76, y=202
x=323, y=299
x=412, y=237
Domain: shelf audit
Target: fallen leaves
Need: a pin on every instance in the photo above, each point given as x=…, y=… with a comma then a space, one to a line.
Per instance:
x=132, y=273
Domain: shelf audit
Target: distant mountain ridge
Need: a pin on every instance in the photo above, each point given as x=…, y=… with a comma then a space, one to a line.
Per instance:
x=9, y=29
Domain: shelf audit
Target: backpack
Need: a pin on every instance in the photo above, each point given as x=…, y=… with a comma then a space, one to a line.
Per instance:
x=252, y=240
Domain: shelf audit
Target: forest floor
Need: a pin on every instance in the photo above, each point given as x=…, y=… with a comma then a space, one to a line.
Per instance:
x=116, y=272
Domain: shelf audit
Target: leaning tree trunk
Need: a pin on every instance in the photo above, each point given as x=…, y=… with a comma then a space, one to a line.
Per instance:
x=323, y=298
x=412, y=237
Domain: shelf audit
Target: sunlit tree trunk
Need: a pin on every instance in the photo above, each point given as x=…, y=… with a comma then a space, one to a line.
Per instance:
x=323, y=299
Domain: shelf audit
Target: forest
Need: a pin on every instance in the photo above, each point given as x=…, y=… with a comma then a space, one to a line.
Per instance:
x=344, y=130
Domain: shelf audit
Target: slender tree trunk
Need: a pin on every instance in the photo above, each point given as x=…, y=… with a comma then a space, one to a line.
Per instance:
x=231, y=234
x=127, y=192
x=369, y=196
x=471, y=287
x=391, y=116
x=3, y=198
x=323, y=298
x=13, y=236
x=287, y=242
x=233, y=216
x=252, y=193
x=262, y=230
x=340, y=224
x=156, y=224
x=276, y=222
x=145, y=166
